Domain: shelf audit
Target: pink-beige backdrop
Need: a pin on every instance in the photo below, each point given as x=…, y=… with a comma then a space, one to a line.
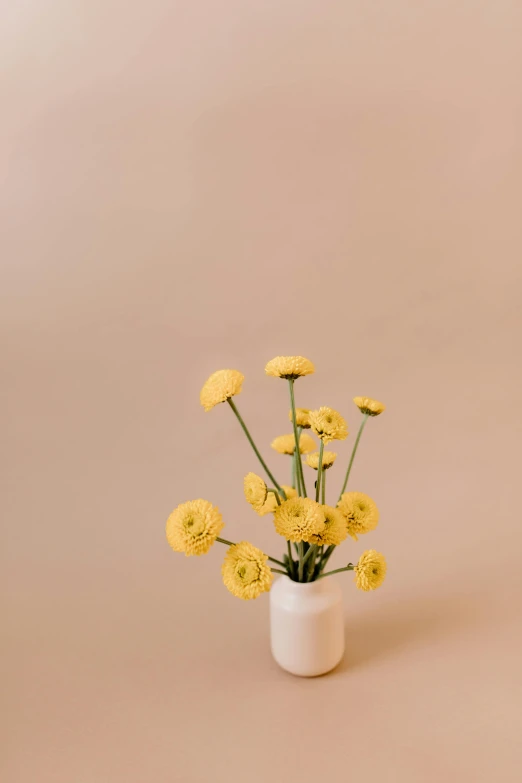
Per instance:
x=195, y=185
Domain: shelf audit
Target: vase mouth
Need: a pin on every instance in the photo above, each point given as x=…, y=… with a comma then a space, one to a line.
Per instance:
x=303, y=587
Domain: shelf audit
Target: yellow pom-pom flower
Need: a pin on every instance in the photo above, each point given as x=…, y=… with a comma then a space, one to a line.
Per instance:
x=289, y=367
x=270, y=504
x=360, y=512
x=285, y=444
x=370, y=570
x=369, y=406
x=299, y=518
x=302, y=417
x=193, y=527
x=334, y=530
x=245, y=571
x=290, y=492
x=255, y=491
x=328, y=425
x=220, y=387
x=328, y=459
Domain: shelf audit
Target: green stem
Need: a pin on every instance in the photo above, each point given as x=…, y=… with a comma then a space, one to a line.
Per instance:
x=319, y=472
x=311, y=565
x=276, y=493
x=258, y=455
x=349, y=567
x=358, y=438
x=308, y=555
x=326, y=556
x=297, y=476
x=323, y=487
x=224, y=541
x=290, y=558
x=294, y=465
x=276, y=561
x=297, y=452
x=301, y=561
x=277, y=571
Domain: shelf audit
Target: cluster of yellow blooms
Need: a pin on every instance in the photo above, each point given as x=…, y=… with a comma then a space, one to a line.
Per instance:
x=313, y=527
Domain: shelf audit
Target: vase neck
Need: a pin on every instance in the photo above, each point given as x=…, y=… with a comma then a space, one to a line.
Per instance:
x=305, y=588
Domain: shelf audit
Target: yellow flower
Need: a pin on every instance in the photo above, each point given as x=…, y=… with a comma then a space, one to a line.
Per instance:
x=360, y=512
x=328, y=459
x=255, y=491
x=302, y=417
x=289, y=367
x=270, y=504
x=245, y=571
x=221, y=385
x=369, y=406
x=285, y=444
x=193, y=527
x=334, y=531
x=299, y=518
x=290, y=492
x=370, y=570
x=328, y=425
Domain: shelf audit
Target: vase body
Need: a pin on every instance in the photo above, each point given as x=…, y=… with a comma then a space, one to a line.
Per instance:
x=306, y=625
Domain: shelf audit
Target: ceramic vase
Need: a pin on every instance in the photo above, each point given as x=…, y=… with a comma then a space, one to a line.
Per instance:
x=306, y=625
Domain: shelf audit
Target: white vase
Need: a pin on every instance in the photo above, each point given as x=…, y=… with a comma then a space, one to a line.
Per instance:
x=306, y=625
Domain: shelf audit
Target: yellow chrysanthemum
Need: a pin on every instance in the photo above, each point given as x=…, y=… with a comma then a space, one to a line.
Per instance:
x=289, y=367
x=269, y=506
x=328, y=459
x=221, y=385
x=270, y=503
x=334, y=531
x=328, y=425
x=369, y=406
x=285, y=444
x=302, y=417
x=255, y=491
x=193, y=527
x=299, y=518
x=370, y=570
x=360, y=512
x=290, y=492
x=245, y=571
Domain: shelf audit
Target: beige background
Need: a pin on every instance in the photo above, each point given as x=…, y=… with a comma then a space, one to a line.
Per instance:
x=195, y=185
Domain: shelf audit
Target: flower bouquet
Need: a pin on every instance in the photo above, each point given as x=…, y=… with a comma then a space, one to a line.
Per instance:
x=306, y=608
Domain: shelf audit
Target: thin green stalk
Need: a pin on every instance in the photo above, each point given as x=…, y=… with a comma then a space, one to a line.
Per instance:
x=358, y=438
x=301, y=559
x=319, y=472
x=317, y=565
x=276, y=561
x=296, y=437
x=311, y=566
x=349, y=567
x=323, y=487
x=256, y=450
x=276, y=493
x=326, y=556
x=224, y=541
x=295, y=471
x=277, y=571
x=308, y=555
x=297, y=475
x=291, y=564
